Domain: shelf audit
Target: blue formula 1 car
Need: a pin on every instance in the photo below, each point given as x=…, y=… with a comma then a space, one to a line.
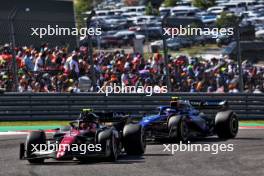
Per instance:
x=183, y=120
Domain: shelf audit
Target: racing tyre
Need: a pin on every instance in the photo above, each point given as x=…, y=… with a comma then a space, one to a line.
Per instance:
x=35, y=137
x=113, y=149
x=109, y=144
x=226, y=124
x=178, y=129
x=134, y=139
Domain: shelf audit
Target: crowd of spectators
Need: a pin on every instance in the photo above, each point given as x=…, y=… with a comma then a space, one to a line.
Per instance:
x=56, y=69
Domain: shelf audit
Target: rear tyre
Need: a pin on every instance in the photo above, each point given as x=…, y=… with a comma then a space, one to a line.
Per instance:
x=134, y=140
x=34, y=138
x=226, y=124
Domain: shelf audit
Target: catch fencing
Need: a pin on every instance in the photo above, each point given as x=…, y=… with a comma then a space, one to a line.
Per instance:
x=67, y=106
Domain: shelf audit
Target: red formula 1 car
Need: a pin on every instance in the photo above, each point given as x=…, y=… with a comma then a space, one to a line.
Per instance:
x=85, y=138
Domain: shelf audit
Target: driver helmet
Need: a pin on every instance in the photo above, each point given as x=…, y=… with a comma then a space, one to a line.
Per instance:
x=174, y=102
x=87, y=116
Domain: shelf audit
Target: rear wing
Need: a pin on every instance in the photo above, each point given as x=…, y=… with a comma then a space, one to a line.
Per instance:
x=116, y=119
x=209, y=104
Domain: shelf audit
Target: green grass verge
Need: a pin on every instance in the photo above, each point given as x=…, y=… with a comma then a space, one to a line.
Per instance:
x=34, y=123
x=251, y=123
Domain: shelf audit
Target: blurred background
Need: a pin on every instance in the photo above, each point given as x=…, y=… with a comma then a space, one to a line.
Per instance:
x=132, y=50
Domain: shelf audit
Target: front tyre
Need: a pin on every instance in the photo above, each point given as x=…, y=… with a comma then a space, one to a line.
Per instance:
x=178, y=129
x=226, y=124
x=35, y=138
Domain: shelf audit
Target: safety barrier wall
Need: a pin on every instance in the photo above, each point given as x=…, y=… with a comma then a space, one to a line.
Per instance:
x=66, y=106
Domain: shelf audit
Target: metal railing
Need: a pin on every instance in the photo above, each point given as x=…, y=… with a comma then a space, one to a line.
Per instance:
x=66, y=106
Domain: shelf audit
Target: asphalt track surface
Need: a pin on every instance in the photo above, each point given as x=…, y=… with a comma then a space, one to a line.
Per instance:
x=247, y=159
